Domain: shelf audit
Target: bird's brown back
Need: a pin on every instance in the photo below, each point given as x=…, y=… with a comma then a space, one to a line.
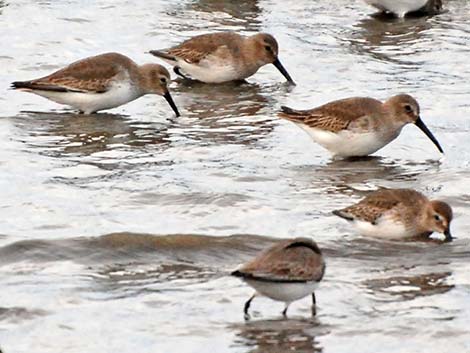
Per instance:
x=376, y=204
x=335, y=116
x=297, y=259
x=197, y=48
x=91, y=74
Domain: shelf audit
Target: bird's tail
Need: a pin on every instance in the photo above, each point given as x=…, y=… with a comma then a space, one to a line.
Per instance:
x=21, y=84
x=343, y=214
x=161, y=54
x=292, y=114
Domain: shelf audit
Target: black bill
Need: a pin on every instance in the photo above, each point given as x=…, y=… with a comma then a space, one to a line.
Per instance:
x=172, y=104
x=448, y=235
x=419, y=123
x=283, y=71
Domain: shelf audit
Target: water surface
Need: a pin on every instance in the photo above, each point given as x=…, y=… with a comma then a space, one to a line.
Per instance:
x=118, y=230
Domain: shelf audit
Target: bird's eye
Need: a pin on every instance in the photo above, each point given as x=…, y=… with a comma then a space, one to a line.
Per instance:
x=268, y=48
x=163, y=80
x=437, y=217
x=408, y=108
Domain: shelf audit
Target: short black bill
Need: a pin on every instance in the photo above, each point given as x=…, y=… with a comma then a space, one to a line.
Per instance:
x=283, y=71
x=419, y=123
x=172, y=104
x=448, y=235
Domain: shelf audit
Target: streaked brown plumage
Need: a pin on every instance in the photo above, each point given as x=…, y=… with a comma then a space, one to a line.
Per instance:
x=290, y=260
x=223, y=56
x=92, y=74
x=101, y=82
x=338, y=115
x=399, y=214
x=197, y=48
x=358, y=126
x=294, y=262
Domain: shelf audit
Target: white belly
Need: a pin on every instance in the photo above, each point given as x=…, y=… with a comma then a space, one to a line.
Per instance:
x=211, y=71
x=284, y=292
x=346, y=143
x=120, y=93
x=398, y=7
x=385, y=228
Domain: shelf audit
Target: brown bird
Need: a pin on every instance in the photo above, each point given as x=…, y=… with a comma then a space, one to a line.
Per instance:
x=101, y=82
x=287, y=271
x=396, y=214
x=222, y=57
x=359, y=126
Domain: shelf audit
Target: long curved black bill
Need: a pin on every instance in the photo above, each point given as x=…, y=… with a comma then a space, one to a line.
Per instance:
x=172, y=104
x=448, y=235
x=419, y=123
x=283, y=71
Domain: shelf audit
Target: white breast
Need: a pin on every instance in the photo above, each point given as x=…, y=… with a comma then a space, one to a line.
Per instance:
x=398, y=7
x=385, y=228
x=349, y=144
x=212, y=70
x=284, y=292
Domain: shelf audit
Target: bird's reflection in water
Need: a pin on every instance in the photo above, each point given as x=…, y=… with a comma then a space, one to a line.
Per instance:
x=233, y=112
x=61, y=134
x=384, y=39
x=2, y=4
x=276, y=336
x=409, y=287
x=345, y=175
x=243, y=13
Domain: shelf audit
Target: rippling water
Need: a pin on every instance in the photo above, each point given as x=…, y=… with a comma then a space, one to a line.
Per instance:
x=118, y=230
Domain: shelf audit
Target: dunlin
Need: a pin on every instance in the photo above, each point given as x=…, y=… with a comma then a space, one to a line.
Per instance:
x=401, y=7
x=222, y=57
x=101, y=82
x=396, y=214
x=286, y=272
x=356, y=127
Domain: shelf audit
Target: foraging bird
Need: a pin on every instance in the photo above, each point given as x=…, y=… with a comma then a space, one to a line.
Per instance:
x=359, y=126
x=101, y=82
x=396, y=214
x=288, y=271
x=222, y=57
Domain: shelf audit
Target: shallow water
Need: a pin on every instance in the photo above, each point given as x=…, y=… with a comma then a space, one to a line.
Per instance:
x=118, y=230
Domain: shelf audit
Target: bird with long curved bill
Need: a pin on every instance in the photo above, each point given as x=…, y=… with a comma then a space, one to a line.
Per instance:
x=359, y=126
x=101, y=82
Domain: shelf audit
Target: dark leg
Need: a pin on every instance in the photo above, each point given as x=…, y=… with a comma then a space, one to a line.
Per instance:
x=177, y=71
x=314, y=305
x=284, y=312
x=247, y=306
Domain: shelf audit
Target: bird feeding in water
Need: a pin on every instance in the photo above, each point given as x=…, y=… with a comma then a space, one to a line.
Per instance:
x=101, y=82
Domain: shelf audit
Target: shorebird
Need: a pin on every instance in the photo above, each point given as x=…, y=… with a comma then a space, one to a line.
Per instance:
x=356, y=127
x=286, y=272
x=101, y=82
x=396, y=214
x=222, y=57
x=401, y=7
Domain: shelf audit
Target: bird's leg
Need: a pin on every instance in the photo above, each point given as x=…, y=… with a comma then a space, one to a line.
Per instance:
x=314, y=305
x=177, y=71
x=284, y=312
x=247, y=306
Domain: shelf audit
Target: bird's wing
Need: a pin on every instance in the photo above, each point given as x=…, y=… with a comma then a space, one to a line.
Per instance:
x=297, y=260
x=334, y=116
x=200, y=47
x=90, y=75
x=376, y=204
